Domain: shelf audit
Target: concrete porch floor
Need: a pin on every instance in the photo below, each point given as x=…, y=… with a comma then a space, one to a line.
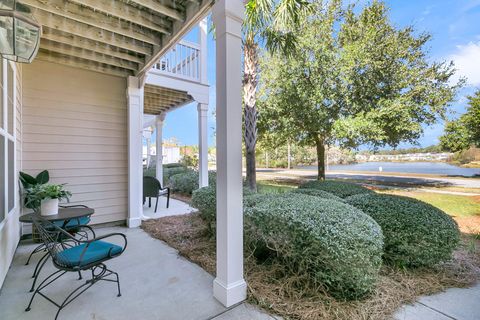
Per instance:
x=156, y=284
x=176, y=207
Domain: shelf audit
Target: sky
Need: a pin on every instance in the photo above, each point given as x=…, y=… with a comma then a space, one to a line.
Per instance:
x=455, y=29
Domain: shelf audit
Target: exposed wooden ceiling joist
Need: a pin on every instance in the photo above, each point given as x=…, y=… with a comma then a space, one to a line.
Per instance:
x=80, y=42
x=160, y=99
x=86, y=31
x=128, y=13
x=160, y=8
x=80, y=63
x=87, y=55
x=93, y=18
x=121, y=37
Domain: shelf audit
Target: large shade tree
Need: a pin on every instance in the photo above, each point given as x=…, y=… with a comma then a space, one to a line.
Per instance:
x=355, y=79
x=268, y=24
x=464, y=132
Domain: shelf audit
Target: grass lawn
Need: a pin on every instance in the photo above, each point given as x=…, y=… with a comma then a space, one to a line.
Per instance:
x=454, y=205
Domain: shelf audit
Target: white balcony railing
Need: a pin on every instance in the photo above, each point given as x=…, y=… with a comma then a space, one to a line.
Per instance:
x=182, y=61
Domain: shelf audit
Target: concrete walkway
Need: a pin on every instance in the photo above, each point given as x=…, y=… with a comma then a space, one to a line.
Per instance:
x=157, y=284
x=176, y=207
x=456, y=304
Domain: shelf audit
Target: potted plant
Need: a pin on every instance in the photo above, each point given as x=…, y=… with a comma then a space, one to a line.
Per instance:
x=46, y=197
x=29, y=182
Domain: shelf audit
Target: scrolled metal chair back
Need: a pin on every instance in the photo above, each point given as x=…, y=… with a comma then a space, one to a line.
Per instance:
x=54, y=239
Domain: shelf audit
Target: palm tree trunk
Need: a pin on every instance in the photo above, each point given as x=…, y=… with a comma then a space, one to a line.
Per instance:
x=320, y=158
x=250, y=82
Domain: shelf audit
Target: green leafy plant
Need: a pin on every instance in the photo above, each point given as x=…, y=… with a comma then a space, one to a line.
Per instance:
x=29, y=182
x=338, y=188
x=35, y=194
x=329, y=243
x=417, y=234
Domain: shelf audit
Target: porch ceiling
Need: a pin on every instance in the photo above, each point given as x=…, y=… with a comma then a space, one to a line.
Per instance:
x=119, y=37
x=158, y=100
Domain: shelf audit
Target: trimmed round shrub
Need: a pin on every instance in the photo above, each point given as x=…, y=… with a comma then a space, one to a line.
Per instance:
x=318, y=193
x=187, y=182
x=338, y=188
x=416, y=233
x=169, y=172
x=332, y=243
x=205, y=200
x=173, y=165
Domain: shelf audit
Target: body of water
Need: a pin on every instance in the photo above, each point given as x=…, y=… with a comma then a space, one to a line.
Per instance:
x=440, y=168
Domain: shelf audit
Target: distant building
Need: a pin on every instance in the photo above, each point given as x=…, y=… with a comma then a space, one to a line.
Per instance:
x=444, y=156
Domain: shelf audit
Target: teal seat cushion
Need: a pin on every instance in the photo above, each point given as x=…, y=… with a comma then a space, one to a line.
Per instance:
x=96, y=251
x=73, y=223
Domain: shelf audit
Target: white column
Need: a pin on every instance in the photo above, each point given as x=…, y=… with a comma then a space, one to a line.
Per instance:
x=203, y=144
x=135, y=130
x=147, y=134
x=202, y=39
x=229, y=287
x=159, y=146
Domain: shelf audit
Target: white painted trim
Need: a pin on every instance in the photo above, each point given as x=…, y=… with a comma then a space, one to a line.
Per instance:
x=229, y=295
x=202, y=110
x=229, y=285
x=159, y=147
x=135, y=129
x=9, y=137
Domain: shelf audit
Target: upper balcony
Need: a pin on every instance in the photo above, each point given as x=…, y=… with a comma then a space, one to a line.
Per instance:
x=179, y=77
x=183, y=61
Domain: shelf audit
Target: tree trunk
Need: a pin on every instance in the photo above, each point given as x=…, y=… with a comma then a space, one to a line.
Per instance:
x=289, y=164
x=250, y=82
x=320, y=158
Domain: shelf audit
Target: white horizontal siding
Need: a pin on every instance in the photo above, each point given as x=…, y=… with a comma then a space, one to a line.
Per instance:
x=75, y=125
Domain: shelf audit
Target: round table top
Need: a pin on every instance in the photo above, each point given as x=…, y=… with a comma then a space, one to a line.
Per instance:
x=63, y=214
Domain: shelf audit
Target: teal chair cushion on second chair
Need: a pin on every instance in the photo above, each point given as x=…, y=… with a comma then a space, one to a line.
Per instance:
x=81, y=255
x=74, y=223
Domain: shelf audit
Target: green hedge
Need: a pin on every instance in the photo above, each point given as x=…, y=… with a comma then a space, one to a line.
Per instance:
x=416, y=233
x=173, y=165
x=338, y=188
x=168, y=171
x=187, y=182
x=318, y=193
x=205, y=200
x=331, y=242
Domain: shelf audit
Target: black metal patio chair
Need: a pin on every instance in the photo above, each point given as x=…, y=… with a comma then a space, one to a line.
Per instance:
x=71, y=226
x=77, y=227
x=152, y=188
x=70, y=254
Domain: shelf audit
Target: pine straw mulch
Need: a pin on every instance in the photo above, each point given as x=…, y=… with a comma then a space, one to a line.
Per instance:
x=291, y=297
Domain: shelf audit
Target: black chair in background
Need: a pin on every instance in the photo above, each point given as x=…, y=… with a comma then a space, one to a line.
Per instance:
x=152, y=188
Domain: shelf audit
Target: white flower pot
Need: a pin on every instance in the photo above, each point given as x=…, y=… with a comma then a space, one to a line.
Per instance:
x=49, y=207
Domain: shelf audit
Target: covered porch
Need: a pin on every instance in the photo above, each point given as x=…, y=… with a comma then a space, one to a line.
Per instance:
x=156, y=284
x=80, y=116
